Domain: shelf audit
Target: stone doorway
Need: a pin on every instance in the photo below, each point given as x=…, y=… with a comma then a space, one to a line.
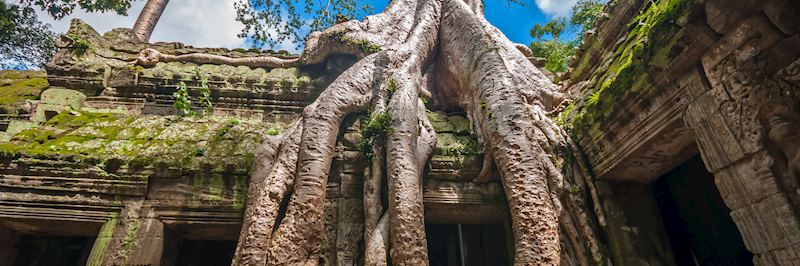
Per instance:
x=467, y=244
x=38, y=249
x=205, y=252
x=197, y=247
x=699, y=226
x=42, y=250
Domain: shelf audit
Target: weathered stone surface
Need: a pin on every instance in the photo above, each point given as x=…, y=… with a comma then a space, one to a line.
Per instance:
x=727, y=92
x=715, y=77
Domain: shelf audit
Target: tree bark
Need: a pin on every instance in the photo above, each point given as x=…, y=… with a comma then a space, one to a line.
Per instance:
x=148, y=19
x=491, y=73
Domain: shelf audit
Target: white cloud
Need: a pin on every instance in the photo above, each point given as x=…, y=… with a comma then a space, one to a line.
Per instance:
x=556, y=8
x=200, y=23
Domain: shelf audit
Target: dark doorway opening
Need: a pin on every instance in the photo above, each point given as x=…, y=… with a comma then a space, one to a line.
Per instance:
x=463, y=244
x=35, y=250
x=696, y=219
x=205, y=252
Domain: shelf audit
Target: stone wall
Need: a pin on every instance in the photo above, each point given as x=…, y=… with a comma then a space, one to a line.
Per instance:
x=718, y=78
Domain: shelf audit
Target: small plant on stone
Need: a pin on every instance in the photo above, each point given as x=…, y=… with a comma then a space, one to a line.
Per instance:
x=274, y=130
x=80, y=46
x=375, y=127
x=183, y=101
x=205, y=98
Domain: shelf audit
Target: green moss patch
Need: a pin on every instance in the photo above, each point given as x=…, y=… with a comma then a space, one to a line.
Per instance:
x=18, y=86
x=142, y=141
x=651, y=37
x=453, y=145
x=440, y=122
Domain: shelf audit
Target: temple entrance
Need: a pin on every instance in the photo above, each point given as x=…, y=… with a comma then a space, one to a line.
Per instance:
x=463, y=244
x=34, y=248
x=205, y=252
x=190, y=246
x=696, y=219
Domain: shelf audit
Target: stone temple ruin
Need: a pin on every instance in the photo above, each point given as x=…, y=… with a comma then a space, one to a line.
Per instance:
x=686, y=114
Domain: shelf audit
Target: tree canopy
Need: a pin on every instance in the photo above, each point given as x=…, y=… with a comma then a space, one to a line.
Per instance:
x=270, y=22
x=25, y=42
x=61, y=8
x=548, y=43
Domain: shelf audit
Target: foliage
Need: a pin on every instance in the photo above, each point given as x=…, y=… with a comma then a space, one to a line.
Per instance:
x=271, y=22
x=205, y=97
x=59, y=9
x=584, y=14
x=551, y=47
x=183, y=102
x=554, y=28
x=392, y=86
x=80, y=45
x=274, y=131
x=555, y=52
x=25, y=42
x=374, y=128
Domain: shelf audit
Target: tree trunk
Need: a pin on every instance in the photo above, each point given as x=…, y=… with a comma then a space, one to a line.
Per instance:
x=444, y=50
x=148, y=19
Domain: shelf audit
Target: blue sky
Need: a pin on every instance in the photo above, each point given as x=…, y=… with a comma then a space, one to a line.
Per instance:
x=211, y=23
x=513, y=20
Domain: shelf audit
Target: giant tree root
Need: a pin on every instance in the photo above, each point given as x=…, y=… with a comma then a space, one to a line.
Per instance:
x=150, y=57
x=442, y=49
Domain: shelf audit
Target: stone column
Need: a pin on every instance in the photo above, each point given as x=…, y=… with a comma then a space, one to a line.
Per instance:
x=744, y=112
x=133, y=237
x=350, y=209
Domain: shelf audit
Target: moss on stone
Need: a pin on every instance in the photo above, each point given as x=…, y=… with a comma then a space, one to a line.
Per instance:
x=365, y=45
x=240, y=186
x=650, y=37
x=460, y=124
x=453, y=145
x=141, y=141
x=439, y=122
x=129, y=241
x=18, y=86
x=103, y=239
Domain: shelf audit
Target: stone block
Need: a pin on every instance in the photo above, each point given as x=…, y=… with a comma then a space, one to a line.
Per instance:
x=750, y=36
x=721, y=15
x=460, y=124
x=440, y=123
x=17, y=126
x=63, y=97
x=784, y=14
